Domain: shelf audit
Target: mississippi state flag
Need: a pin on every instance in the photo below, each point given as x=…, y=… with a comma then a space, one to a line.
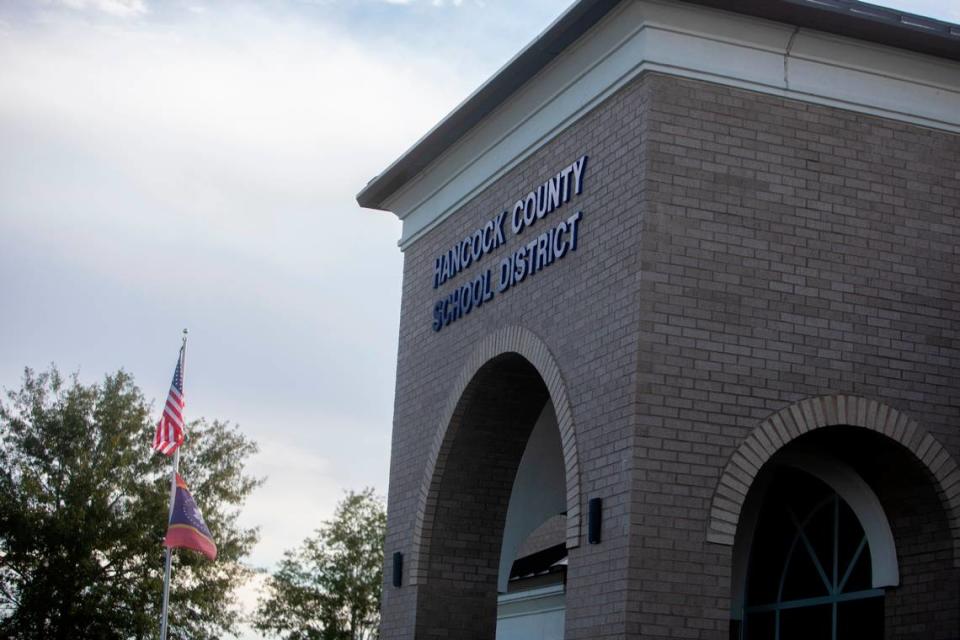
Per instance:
x=169, y=434
x=187, y=528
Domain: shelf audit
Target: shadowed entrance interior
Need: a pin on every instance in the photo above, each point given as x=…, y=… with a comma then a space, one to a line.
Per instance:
x=832, y=544
x=480, y=456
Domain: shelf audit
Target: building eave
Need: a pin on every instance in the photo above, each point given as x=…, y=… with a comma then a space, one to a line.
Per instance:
x=848, y=18
x=576, y=21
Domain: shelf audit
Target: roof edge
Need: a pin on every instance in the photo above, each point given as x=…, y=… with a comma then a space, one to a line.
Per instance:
x=572, y=24
x=848, y=18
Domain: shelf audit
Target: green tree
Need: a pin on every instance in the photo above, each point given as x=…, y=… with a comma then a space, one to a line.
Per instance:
x=329, y=588
x=83, y=510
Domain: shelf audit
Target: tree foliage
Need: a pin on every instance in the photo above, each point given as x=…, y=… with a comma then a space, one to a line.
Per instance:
x=83, y=511
x=329, y=588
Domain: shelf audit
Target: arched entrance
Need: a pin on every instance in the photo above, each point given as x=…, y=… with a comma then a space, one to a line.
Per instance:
x=470, y=482
x=842, y=530
x=810, y=568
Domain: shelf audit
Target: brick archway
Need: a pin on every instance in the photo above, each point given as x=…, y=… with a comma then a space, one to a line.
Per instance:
x=511, y=340
x=824, y=411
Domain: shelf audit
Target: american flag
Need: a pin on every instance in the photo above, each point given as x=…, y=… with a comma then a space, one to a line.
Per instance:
x=169, y=434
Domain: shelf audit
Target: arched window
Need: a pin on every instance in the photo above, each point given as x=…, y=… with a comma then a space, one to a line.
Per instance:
x=810, y=567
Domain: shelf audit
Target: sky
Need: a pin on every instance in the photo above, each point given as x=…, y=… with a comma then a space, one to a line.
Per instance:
x=194, y=163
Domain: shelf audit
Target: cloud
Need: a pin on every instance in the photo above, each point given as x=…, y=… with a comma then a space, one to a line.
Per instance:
x=435, y=3
x=117, y=8
x=300, y=482
x=204, y=176
x=247, y=596
x=938, y=9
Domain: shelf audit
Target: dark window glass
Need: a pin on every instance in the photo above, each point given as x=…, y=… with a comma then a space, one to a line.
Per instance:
x=860, y=619
x=761, y=625
x=860, y=575
x=806, y=623
x=851, y=535
x=802, y=579
x=819, y=531
x=771, y=544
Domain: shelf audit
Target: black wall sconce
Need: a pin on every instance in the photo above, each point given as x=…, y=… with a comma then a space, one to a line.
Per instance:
x=397, y=568
x=594, y=520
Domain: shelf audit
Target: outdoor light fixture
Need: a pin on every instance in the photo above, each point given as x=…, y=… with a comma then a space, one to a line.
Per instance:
x=594, y=519
x=397, y=568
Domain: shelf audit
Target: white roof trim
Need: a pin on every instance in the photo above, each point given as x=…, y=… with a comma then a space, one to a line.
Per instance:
x=688, y=41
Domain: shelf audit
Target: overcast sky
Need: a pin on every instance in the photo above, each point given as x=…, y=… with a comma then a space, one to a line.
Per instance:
x=193, y=163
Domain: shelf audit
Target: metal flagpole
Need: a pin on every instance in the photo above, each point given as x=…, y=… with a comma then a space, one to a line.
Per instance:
x=173, y=496
x=166, y=568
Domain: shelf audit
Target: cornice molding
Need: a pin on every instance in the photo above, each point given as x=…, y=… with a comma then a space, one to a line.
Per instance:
x=684, y=41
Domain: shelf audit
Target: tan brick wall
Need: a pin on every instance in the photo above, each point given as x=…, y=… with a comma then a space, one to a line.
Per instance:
x=791, y=251
x=738, y=254
x=582, y=307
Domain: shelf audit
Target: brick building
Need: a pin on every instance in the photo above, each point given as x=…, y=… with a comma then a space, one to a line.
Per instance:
x=680, y=332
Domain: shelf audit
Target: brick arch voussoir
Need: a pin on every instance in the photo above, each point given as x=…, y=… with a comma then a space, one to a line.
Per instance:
x=823, y=411
x=524, y=342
